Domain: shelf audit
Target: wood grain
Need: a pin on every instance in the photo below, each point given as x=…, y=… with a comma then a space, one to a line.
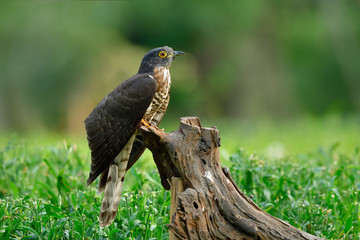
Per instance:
x=210, y=205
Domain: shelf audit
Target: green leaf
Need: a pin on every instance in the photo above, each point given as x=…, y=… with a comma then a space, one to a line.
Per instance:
x=31, y=230
x=14, y=189
x=49, y=191
x=60, y=221
x=152, y=180
x=50, y=166
x=115, y=230
x=267, y=194
x=348, y=224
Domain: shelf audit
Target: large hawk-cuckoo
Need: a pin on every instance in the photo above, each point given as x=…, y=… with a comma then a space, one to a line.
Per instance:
x=112, y=126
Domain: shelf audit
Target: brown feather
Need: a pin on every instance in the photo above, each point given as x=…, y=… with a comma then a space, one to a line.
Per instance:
x=123, y=108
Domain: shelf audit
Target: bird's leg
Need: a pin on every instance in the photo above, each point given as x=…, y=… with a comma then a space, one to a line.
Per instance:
x=145, y=123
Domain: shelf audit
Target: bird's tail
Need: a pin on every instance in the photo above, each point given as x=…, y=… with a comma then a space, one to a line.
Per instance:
x=114, y=183
x=112, y=196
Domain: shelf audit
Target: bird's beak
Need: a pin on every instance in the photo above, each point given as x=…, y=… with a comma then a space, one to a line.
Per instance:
x=178, y=53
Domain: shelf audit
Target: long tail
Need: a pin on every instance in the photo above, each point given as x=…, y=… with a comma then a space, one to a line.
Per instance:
x=114, y=183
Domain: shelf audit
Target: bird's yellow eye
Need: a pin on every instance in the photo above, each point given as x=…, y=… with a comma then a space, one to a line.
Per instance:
x=162, y=54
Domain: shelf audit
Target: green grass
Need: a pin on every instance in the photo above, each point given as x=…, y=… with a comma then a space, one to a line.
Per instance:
x=317, y=192
x=43, y=193
x=43, y=196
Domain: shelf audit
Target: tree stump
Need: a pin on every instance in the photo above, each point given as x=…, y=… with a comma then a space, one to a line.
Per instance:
x=207, y=204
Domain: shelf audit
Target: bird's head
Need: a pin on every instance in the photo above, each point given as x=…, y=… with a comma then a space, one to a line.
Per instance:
x=158, y=57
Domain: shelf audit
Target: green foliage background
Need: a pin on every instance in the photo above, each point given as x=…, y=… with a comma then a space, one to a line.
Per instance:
x=245, y=59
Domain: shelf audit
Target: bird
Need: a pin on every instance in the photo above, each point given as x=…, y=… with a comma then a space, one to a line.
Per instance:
x=111, y=127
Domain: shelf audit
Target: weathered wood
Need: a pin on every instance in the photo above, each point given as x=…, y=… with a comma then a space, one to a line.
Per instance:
x=177, y=186
x=211, y=206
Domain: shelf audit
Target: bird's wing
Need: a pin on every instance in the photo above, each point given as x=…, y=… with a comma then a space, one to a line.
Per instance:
x=113, y=121
x=137, y=150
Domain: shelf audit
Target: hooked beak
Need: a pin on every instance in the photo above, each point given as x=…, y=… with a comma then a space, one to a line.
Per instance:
x=174, y=54
x=178, y=53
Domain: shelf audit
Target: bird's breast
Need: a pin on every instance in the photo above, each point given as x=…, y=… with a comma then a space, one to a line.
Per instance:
x=161, y=98
x=163, y=79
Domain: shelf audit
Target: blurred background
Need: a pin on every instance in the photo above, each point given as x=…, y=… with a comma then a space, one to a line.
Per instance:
x=249, y=65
